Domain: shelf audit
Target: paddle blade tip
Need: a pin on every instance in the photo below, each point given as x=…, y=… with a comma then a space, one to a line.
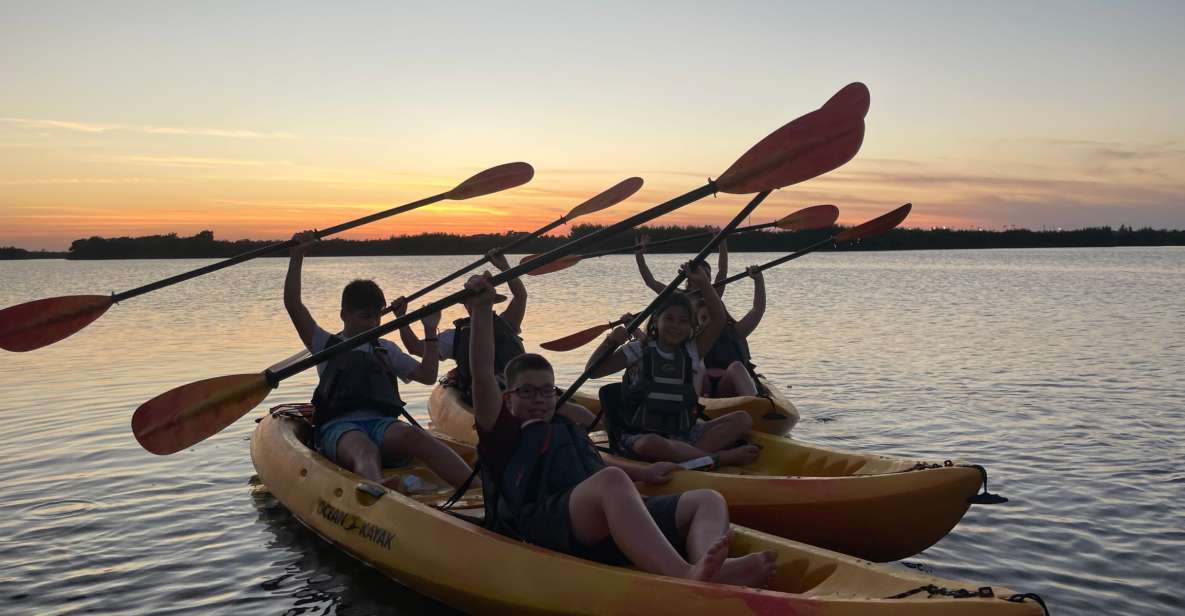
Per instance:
x=493, y=180
x=813, y=217
x=561, y=263
x=877, y=226
x=806, y=147
x=187, y=415
x=609, y=197
x=39, y=323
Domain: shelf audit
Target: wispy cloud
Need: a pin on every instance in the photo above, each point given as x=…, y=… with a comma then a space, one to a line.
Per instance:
x=95, y=127
x=37, y=181
x=190, y=162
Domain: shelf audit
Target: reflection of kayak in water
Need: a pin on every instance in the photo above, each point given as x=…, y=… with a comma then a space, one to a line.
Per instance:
x=871, y=506
x=456, y=561
x=772, y=413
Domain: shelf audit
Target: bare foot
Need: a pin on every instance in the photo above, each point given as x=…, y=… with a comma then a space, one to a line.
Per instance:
x=755, y=570
x=708, y=567
x=739, y=456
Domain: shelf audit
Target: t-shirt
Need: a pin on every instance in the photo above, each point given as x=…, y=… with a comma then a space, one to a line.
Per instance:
x=400, y=364
x=633, y=355
x=496, y=447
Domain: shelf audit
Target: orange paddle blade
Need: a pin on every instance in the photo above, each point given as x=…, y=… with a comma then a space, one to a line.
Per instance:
x=187, y=415
x=577, y=340
x=612, y=196
x=561, y=263
x=39, y=323
x=493, y=180
x=813, y=217
x=877, y=226
x=808, y=146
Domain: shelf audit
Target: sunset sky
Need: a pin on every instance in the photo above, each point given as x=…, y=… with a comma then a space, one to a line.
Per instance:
x=258, y=119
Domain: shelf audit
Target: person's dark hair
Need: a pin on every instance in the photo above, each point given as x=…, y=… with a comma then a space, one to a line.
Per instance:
x=675, y=300
x=526, y=361
x=363, y=295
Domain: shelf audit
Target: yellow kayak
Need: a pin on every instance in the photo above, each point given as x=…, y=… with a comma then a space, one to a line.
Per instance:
x=460, y=563
x=772, y=413
x=875, y=507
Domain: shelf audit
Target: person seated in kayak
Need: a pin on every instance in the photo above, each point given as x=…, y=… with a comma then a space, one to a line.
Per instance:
x=728, y=365
x=357, y=404
x=546, y=484
x=653, y=413
x=657, y=287
x=508, y=344
x=454, y=343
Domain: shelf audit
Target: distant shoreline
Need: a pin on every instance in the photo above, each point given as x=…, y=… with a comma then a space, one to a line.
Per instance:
x=204, y=246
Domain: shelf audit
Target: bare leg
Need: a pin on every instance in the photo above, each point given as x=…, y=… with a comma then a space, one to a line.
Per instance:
x=654, y=448
x=401, y=439
x=357, y=453
x=736, y=381
x=724, y=431
x=608, y=505
x=702, y=516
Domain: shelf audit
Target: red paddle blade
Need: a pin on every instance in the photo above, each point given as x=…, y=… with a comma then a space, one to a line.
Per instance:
x=612, y=196
x=561, y=263
x=877, y=226
x=187, y=415
x=493, y=180
x=813, y=217
x=577, y=340
x=809, y=146
x=39, y=323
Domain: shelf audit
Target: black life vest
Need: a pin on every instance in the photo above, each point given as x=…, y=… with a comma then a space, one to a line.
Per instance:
x=550, y=459
x=507, y=346
x=730, y=346
x=355, y=380
x=659, y=394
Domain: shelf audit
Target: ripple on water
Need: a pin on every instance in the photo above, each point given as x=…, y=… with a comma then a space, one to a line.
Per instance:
x=58, y=509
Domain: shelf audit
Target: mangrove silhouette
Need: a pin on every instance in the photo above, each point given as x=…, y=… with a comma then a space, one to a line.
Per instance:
x=203, y=245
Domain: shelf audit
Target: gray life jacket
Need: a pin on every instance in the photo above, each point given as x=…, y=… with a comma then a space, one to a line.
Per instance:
x=507, y=346
x=659, y=394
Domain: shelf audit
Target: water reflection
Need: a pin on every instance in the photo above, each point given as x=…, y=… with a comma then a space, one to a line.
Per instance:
x=317, y=578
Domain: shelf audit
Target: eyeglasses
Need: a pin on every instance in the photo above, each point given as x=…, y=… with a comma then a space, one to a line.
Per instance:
x=526, y=392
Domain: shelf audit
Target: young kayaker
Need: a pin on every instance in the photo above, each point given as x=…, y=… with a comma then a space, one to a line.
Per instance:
x=357, y=404
x=729, y=369
x=454, y=343
x=546, y=484
x=657, y=287
x=653, y=414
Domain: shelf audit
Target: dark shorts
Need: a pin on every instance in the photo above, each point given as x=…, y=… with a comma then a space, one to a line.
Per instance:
x=549, y=525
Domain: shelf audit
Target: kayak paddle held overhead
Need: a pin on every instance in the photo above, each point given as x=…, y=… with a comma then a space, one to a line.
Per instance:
x=39, y=323
x=806, y=147
x=814, y=217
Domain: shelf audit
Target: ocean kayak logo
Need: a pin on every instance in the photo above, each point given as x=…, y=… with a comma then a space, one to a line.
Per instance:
x=354, y=524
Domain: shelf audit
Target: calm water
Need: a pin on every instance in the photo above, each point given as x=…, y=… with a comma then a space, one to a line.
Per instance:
x=1062, y=371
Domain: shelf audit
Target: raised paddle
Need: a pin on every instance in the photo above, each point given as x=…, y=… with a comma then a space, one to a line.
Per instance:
x=877, y=226
x=42, y=322
x=610, y=197
x=806, y=147
x=814, y=217
x=637, y=319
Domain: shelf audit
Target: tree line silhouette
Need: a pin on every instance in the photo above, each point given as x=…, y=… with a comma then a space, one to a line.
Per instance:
x=203, y=245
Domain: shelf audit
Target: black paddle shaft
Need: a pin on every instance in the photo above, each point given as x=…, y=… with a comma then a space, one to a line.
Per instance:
x=275, y=377
x=259, y=252
x=503, y=249
x=670, y=288
x=780, y=260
